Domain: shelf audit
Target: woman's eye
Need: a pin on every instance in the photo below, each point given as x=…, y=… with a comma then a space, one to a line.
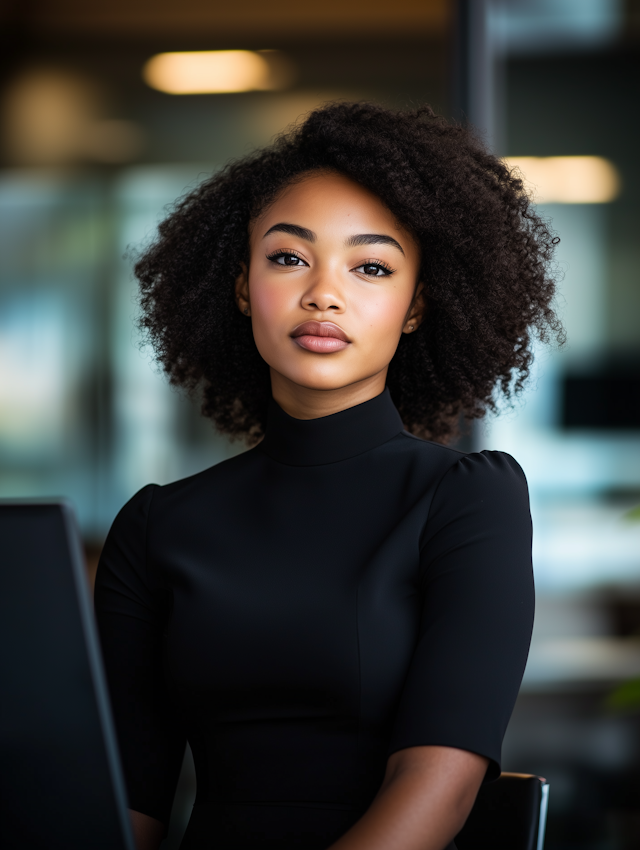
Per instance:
x=286, y=260
x=373, y=270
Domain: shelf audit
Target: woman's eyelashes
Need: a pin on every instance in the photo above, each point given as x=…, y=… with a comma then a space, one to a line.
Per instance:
x=374, y=268
x=286, y=258
x=370, y=268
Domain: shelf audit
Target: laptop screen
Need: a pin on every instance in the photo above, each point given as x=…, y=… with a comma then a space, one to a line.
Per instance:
x=60, y=779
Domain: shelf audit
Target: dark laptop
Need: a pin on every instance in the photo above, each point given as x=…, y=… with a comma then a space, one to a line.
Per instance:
x=60, y=780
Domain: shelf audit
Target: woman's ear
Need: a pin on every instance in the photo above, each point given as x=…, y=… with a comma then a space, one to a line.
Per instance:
x=242, y=291
x=416, y=312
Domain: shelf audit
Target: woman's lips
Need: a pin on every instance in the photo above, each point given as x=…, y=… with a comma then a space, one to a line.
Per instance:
x=320, y=337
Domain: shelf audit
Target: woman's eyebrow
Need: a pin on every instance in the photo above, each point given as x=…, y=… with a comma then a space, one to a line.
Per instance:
x=292, y=230
x=372, y=239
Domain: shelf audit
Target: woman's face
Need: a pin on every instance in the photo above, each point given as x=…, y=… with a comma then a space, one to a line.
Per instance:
x=332, y=284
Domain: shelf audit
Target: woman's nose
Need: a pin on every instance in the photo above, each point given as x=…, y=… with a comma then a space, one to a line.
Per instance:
x=323, y=295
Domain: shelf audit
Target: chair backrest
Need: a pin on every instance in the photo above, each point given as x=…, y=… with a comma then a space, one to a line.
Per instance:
x=509, y=814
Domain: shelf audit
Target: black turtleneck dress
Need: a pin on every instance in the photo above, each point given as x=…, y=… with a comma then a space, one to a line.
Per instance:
x=298, y=613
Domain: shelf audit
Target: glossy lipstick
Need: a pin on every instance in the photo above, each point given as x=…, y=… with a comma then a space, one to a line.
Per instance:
x=320, y=337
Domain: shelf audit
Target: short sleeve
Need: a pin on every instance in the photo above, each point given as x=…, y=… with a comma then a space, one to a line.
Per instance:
x=131, y=611
x=477, y=611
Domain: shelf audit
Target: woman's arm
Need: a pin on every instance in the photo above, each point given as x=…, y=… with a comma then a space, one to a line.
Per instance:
x=147, y=831
x=131, y=610
x=425, y=799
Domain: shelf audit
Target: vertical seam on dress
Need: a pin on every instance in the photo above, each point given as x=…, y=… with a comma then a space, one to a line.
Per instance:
x=358, y=742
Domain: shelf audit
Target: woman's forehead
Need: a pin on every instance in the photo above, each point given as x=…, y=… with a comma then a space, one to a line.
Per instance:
x=327, y=198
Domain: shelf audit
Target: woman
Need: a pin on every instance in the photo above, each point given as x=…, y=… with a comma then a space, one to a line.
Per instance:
x=337, y=620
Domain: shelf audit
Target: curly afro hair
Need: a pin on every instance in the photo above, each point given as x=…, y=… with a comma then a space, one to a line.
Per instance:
x=486, y=266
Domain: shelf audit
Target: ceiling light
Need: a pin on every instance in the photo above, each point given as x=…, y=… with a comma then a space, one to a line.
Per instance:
x=569, y=179
x=208, y=72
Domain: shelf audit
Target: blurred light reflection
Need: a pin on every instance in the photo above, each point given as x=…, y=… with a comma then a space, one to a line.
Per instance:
x=213, y=72
x=56, y=117
x=569, y=179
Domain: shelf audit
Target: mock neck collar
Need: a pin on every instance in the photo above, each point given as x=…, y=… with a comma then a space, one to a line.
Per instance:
x=329, y=439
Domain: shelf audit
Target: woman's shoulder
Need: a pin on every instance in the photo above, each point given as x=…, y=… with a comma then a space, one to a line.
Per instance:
x=481, y=493
x=153, y=500
x=219, y=475
x=489, y=466
x=484, y=469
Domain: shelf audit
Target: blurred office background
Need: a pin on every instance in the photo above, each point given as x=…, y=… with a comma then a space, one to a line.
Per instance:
x=95, y=142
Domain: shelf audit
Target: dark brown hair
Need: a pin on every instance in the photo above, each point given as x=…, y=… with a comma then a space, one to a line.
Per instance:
x=486, y=265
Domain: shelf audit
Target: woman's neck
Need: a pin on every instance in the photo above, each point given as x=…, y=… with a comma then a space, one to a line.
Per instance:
x=309, y=403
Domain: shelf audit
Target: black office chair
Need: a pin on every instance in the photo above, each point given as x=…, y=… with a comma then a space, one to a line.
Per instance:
x=509, y=814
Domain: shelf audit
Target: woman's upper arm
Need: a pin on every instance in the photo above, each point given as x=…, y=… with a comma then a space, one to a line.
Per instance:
x=130, y=611
x=423, y=803
x=147, y=832
x=461, y=771
x=477, y=611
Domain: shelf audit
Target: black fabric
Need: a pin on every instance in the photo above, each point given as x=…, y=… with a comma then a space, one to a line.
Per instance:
x=303, y=610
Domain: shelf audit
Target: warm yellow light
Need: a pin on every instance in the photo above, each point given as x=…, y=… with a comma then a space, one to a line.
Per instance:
x=569, y=179
x=208, y=72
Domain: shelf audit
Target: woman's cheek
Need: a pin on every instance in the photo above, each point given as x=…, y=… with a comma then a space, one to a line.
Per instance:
x=270, y=301
x=384, y=320
x=270, y=310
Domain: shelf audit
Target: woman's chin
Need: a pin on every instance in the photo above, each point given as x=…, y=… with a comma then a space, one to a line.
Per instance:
x=322, y=380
